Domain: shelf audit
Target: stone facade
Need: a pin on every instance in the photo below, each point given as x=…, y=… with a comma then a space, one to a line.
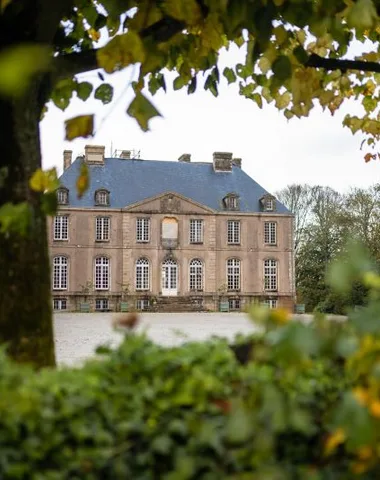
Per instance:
x=169, y=218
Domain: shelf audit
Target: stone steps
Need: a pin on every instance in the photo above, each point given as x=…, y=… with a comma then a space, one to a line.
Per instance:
x=176, y=304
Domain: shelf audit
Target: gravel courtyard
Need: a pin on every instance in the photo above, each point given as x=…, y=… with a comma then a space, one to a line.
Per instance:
x=78, y=334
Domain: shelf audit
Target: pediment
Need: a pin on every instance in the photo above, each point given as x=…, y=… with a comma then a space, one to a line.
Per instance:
x=168, y=202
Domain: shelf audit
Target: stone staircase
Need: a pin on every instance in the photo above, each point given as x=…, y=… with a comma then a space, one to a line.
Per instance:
x=177, y=304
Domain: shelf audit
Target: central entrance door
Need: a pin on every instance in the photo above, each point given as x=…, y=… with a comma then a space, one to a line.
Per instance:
x=169, y=278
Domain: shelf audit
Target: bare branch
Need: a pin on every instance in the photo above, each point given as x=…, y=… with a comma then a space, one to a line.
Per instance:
x=339, y=64
x=73, y=63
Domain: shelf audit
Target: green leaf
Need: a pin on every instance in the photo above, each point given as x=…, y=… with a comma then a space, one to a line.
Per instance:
x=84, y=90
x=81, y=126
x=282, y=68
x=301, y=54
x=178, y=83
x=142, y=110
x=192, y=85
x=121, y=51
x=230, y=75
x=256, y=97
x=238, y=428
x=104, y=93
x=15, y=218
x=49, y=203
x=83, y=180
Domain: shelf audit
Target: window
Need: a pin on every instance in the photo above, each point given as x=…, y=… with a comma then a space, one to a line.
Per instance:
x=102, y=197
x=231, y=202
x=233, y=231
x=234, y=304
x=196, y=274
x=270, y=302
x=142, y=304
x=142, y=274
x=142, y=229
x=102, y=273
x=101, y=304
x=102, y=230
x=61, y=227
x=270, y=275
x=60, y=273
x=59, y=304
x=269, y=204
x=233, y=274
x=270, y=231
x=196, y=231
x=62, y=196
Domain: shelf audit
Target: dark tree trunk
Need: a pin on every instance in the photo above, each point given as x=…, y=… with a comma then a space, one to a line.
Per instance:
x=25, y=300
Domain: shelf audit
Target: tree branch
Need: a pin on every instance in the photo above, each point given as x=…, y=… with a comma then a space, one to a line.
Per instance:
x=316, y=61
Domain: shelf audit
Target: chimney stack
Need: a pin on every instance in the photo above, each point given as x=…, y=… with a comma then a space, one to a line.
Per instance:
x=185, y=157
x=236, y=162
x=126, y=154
x=67, y=159
x=222, y=161
x=94, y=154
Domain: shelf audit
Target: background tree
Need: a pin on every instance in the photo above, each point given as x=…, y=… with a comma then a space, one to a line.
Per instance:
x=293, y=59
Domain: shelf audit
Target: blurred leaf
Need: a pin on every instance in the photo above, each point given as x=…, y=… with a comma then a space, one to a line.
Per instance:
x=15, y=218
x=238, y=428
x=84, y=90
x=81, y=126
x=282, y=68
x=83, y=180
x=49, y=203
x=229, y=74
x=104, y=93
x=44, y=180
x=121, y=51
x=19, y=64
x=142, y=110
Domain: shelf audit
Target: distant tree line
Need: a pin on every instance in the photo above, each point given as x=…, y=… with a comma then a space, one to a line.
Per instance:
x=324, y=221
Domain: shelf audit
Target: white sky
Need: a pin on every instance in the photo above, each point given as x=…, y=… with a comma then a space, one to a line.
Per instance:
x=275, y=152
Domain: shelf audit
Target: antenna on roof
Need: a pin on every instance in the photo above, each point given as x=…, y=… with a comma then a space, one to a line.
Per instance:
x=111, y=149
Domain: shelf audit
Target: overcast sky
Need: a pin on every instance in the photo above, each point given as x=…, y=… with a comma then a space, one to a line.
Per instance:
x=275, y=152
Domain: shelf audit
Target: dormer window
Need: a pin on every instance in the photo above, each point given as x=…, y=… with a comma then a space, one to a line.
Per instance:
x=231, y=202
x=268, y=203
x=62, y=196
x=102, y=198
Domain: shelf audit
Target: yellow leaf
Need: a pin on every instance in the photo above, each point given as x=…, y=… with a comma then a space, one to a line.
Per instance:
x=83, y=180
x=142, y=110
x=279, y=316
x=335, y=439
x=374, y=408
x=282, y=101
x=4, y=4
x=361, y=395
x=281, y=34
x=81, y=126
x=37, y=181
x=212, y=33
x=264, y=65
x=365, y=452
x=94, y=34
x=186, y=10
x=121, y=51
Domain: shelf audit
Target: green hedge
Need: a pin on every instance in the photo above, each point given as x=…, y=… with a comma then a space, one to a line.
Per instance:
x=191, y=412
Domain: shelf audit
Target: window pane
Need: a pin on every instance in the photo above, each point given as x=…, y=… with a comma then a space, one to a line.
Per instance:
x=270, y=275
x=233, y=231
x=196, y=231
x=61, y=231
x=102, y=273
x=270, y=233
x=102, y=228
x=60, y=273
x=196, y=274
x=233, y=274
x=142, y=274
x=142, y=229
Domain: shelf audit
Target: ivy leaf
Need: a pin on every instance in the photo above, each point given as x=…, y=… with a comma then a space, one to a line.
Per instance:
x=84, y=90
x=80, y=126
x=104, y=93
x=282, y=68
x=142, y=110
x=83, y=180
x=121, y=51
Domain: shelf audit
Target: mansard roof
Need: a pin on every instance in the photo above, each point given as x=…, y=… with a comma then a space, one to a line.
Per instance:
x=134, y=180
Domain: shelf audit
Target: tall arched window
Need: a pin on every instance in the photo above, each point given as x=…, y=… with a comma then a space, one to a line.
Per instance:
x=142, y=274
x=270, y=274
x=60, y=273
x=233, y=274
x=196, y=274
x=102, y=273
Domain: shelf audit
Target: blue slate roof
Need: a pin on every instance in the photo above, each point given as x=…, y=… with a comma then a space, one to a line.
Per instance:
x=131, y=181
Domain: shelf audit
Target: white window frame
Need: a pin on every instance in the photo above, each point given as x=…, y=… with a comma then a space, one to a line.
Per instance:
x=142, y=304
x=102, y=198
x=196, y=230
x=270, y=275
x=102, y=275
x=233, y=232
x=60, y=272
x=142, y=274
x=101, y=304
x=62, y=196
x=196, y=274
x=142, y=230
x=269, y=204
x=270, y=302
x=270, y=233
x=102, y=229
x=233, y=274
x=59, y=304
x=61, y=227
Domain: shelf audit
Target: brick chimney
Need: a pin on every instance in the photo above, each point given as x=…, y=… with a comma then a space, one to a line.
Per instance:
x=185, y=157
x=236, y=162
x=222, y=161
x=94, y=154
x=67, y=159
x=126, y=154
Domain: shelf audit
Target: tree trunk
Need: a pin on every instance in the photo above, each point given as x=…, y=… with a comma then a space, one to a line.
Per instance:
x=25, y=300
